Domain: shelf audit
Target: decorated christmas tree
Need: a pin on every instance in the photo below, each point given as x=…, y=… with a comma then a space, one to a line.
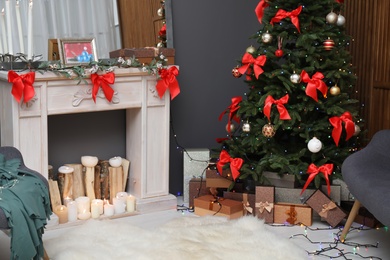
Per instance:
x=299, y=115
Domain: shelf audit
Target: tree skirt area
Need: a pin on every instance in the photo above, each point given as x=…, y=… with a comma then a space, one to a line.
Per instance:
x=182, y=238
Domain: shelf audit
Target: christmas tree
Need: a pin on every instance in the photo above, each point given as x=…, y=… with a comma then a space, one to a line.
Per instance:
x=298, y=115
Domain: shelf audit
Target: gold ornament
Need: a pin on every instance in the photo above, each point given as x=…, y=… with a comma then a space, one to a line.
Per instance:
x=357, y=130
x=331, y=17
x=335, y=90
x=266, y=37
x=251, y=49
x=268, y=130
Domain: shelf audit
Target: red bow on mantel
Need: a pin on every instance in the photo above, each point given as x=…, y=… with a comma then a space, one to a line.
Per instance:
x=260, y=9
x=22, y=85
x=313, y=170
x=168, y=81
x=284, y=115
x=232, y=111
x=336, y=122
x=235, y=163
x=248, y=60
x=103, y=81
x=313, y=84
x=293, y=15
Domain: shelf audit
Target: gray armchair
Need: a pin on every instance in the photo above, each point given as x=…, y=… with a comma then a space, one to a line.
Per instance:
x=367, y=175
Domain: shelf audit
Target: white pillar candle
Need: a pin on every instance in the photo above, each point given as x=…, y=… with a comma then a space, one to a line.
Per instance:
x=84, y=215
x=115, y=161
x=20, y=30
x=4, y=32
x=122, y=196
x=130, y=203
x=95, y=212
x=99, y=204
x=72, y=211
x=62, y=212
x=89, y=161
x=67, y=200
x=83, y=204
x=9, y=29
x=119, y=206
x=29, y=31
x=108, y=210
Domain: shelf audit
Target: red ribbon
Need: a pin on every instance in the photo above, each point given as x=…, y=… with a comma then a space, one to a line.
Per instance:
x=313, y=84
x=232, y=111
x=313, y=170
x=235, y=163
x=248, y=60
x=168, y=81
x=163, y=30
x=336, y=122
x=22, y=85
x=293, y=15
x=279, y=105
x=260, y=9
x=103, y=81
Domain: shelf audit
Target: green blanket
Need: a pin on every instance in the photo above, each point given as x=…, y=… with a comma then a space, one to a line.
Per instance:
x=24, y=197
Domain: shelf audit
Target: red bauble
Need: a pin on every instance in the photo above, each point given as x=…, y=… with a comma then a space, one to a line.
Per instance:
x=236, y=73
x=279, y=53
x=328, y=44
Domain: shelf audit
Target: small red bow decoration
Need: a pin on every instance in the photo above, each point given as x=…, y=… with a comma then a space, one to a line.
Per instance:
x=281, y=14
x=22, y=85
x=235, y=163
x=260, y=9
x=163, y=30
x=292, y=215
x=313, y=84
x=313, y=170
x=336, y=122
x=248, y=60
x=232, y=111
x=284, y=115
x=103, y=81
x=340, y=1
x=168, y=81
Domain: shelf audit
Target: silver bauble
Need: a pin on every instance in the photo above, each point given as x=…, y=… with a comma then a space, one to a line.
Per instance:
x=160, y=12
x=357, y=130
x=246, y=127
x=314, y=145
x=331, y=17
x=266, y=37
x=251, y=49
x=340, y=20
x=295, y=78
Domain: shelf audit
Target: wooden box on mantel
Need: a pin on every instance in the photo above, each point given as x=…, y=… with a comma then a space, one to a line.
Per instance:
x=145, y=55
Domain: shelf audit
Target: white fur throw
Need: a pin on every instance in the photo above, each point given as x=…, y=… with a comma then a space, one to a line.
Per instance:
x=182, y=238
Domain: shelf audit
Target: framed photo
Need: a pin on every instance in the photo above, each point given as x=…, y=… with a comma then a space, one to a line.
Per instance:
x=77, y=51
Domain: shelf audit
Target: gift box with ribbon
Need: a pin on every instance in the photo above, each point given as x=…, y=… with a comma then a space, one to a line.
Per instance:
x=292, y=214
x=218, y=180
x=248, y=201
x=264, y=206
x=210, y=205
x=197, y=188
x=326, y=208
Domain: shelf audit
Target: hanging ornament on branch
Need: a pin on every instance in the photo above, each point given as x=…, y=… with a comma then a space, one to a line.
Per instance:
x=328, y=44
x=357, y=130
x=335, y=90
x=266, y=37
x=236, y=73
x=246, y=127
x=314, y=145
x=251, y=49
x=340, y=20
x=331, y=17
x=230, y=128
x=295, y=78
x=279, y=51
x=268, y=130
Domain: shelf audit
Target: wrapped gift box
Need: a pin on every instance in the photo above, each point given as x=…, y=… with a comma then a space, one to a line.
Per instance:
x=326, y=208
x=293, y=214
x=248, y=201
x=216, y=180
x=264, y=206
x=197, y=188
x=209, y=205
x=145, y=55
x=285, y=180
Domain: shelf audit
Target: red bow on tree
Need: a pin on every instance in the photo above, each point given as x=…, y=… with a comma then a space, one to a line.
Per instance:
x=293, y=15
x=168, y=81
x=340, y=1
x=248, y=60
x=284, y=115
x=232, y=111
x=260, y=9
x=235, y=164
x=313, y=84
x=103, y=81
x=336, y=122
x=313, y=170
x=22, y=85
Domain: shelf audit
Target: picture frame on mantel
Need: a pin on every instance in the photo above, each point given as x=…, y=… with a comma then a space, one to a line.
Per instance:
x=77, y=51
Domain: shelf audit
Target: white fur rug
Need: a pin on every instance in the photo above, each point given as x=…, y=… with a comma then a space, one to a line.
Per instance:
x=182, y=238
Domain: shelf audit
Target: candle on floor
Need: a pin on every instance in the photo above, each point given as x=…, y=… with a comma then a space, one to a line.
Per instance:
x=9, y=29
x=130, y=203
x=95, y=212
x=108, y=210
x=83, y=204
x=84, y=215
x=122, y=196
x=67, y=200
x=62, y=212
x=20, y=30
x=72, y=211
x=119, y=205
x=29, y=31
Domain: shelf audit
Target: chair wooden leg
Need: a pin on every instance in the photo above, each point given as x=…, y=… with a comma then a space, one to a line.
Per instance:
x=351, y=218
x=45, y=255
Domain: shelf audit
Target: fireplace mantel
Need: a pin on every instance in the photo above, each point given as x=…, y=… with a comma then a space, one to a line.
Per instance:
x=147, y=126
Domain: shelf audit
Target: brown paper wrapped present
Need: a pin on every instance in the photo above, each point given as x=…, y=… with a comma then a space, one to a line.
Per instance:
x=197, y=188
x=145, y=55
x=248, y=201
x=214, y=179
x=326, y=208
x=215, y=206
x=264, y=206
x=286, y=213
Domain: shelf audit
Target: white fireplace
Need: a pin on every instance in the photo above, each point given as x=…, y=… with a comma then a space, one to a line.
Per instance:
x=147, y=127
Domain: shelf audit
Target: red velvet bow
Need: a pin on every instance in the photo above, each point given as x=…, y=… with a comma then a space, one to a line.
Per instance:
x=235, y=164
x=168, y=81
x=340, y=1
x=248, y=60
x=260, y=9
x=163, y=30
x=313, y=170
x=103, y=81
x=281, y=14
x=336, y=122
x=284, y=115
x=232, y=111
x=314, y=83
x=22, y=85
